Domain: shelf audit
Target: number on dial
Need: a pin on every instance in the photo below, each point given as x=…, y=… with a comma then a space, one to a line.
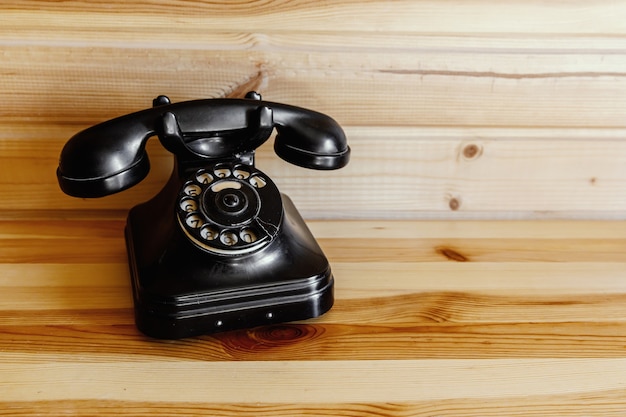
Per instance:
x=194, y=221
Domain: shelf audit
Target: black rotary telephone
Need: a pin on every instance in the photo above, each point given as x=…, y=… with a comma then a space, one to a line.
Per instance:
x=219, y=247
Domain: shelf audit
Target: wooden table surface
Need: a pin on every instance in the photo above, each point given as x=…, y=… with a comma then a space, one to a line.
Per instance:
x=430, y=319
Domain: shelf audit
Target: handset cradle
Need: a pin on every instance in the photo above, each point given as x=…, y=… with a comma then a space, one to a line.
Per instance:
x=219, y=247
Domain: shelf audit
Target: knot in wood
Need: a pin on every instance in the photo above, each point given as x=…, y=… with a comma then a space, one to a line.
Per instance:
x=471, y=151
x=452, y=254
x=454, y=204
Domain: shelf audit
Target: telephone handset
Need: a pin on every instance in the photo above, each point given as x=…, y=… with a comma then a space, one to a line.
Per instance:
x=219, y=247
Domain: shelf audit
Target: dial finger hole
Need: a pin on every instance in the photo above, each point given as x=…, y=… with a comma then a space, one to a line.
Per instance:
x=188, y=205
x=222, y=172
x=194, y=221
x=204, y=177
x=241, y=174
x=225, y=185
x=229, y=238
x=248, y=235
x=192, y=190
x=258, y=181
x=209, y=233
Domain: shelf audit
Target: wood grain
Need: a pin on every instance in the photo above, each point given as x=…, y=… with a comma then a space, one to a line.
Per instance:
x=412, y=331
x=394, y=173
x=462, y=116
x=477, y=16
x=302, y=381
x=397, y=88
x=603, y=404
x=468, y=111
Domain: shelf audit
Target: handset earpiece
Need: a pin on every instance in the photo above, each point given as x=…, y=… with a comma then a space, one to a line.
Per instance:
x=106, y=158
x=310, y=139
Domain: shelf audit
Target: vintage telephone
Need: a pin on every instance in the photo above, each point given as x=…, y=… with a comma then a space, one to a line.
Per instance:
x=219, y=247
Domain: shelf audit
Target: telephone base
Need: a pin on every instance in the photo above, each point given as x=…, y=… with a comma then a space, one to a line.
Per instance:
x=268, y=306
x=180, y=293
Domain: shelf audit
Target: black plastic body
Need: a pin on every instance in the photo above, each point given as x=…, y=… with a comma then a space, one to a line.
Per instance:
x=180, y=290
x=219, y=247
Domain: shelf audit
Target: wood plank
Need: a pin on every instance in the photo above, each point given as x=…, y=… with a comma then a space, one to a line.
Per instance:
x=307, y=381
x=407, y=307
x=525, y=278
x=600, y=404
x=491, y=229
x=470, y=290
x=359, y=279
x=477, y=16
x=403, y=96
x=397, y=173
x=494, y=88
x=90, y=248
x=112, y=337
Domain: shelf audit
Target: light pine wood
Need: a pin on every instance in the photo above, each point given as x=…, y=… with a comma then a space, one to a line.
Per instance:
x=430, y=318
x=303, y=382
x=436, y=87
x=468, y=110
x=461, y=117
x=455, y=173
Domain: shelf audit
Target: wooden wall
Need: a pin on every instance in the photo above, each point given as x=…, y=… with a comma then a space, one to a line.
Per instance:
x=473, y=109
